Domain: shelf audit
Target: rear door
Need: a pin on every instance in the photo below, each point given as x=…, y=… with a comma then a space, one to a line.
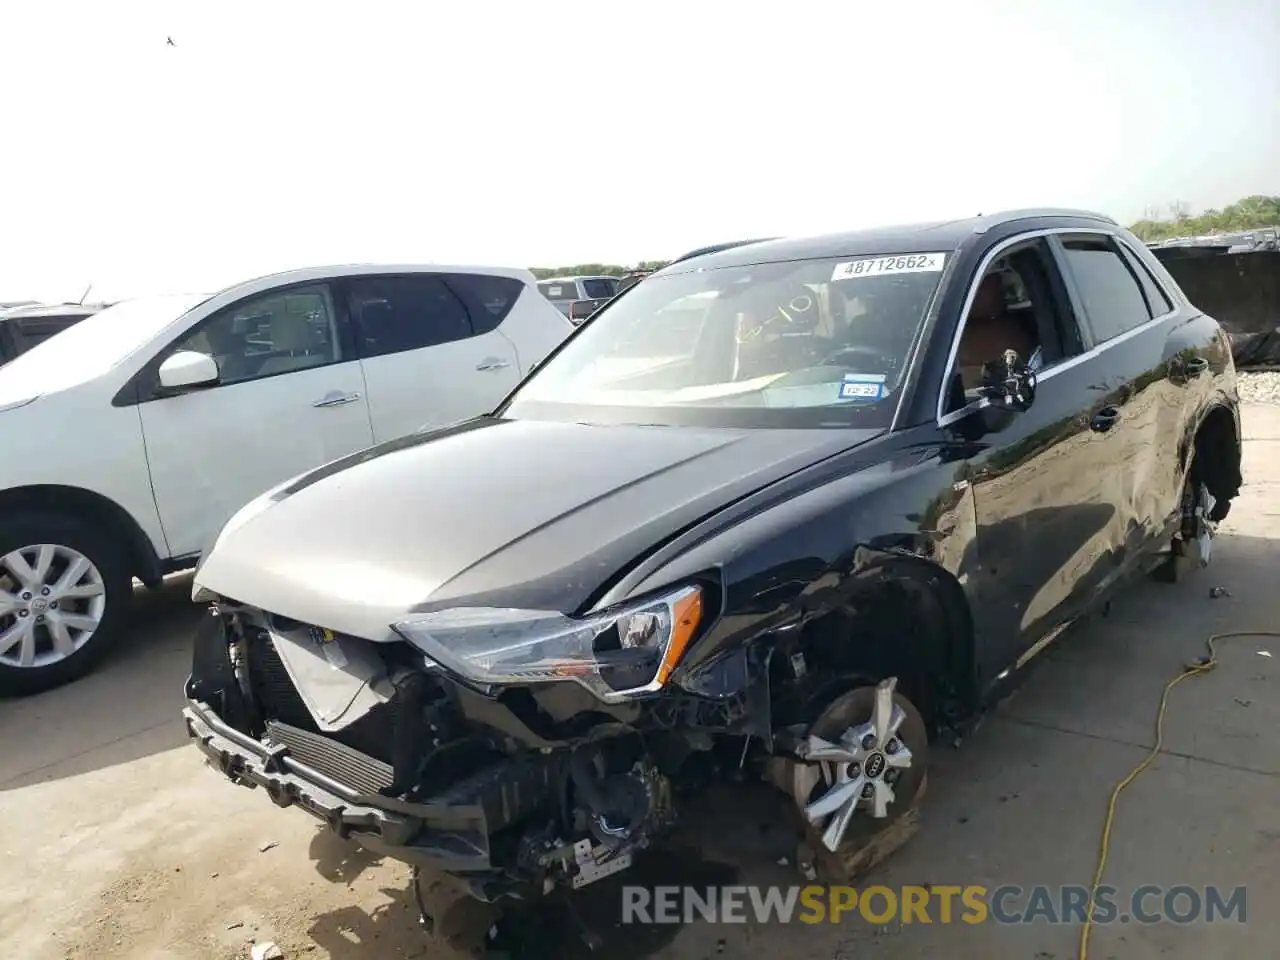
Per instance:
x=430, y=349
x=1131, y=323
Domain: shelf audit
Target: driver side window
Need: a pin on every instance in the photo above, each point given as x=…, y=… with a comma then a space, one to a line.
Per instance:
x=273, y=333
x=1019, y=303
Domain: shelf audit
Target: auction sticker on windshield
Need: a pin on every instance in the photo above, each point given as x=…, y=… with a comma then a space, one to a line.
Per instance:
x=883, y=266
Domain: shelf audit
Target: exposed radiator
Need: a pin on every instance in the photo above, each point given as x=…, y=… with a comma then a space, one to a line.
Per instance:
x=335, y=760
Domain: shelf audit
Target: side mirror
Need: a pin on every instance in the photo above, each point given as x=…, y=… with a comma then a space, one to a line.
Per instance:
x=1008, y=389
x=187, y=369
x=1009, y=383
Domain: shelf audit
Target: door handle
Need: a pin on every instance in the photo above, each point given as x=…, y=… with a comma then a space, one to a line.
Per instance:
x=336, y=399
x=1195, y=366
x=493, y=363
x=1104, y=419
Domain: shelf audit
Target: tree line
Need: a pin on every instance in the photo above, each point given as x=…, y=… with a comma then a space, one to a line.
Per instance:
x=1174, y=220
x=597, y=269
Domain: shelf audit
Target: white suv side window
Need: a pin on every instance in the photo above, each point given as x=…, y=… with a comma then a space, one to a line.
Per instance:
x=278, y=332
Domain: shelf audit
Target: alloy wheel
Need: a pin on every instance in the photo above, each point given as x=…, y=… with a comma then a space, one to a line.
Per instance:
x=1205, y=529
x=1197, y=532
x=52, y=601
x=860, y=768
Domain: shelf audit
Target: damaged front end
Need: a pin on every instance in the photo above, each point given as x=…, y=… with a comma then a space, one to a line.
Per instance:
x=448, y=747
x=522, y=752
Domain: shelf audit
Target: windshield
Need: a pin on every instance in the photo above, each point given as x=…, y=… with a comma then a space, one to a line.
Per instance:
x=802, y=343
x=92, y=346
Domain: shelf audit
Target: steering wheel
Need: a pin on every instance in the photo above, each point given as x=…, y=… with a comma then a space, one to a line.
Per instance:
x=837, y=358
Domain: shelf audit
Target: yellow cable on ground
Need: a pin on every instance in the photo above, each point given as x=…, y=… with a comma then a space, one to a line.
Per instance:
x=1190, y=670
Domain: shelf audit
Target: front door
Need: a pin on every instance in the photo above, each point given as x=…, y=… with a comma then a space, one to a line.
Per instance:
x=290, y=398
x=1043, y=484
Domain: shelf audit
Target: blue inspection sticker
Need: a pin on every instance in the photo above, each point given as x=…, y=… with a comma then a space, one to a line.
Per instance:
x=863, y=386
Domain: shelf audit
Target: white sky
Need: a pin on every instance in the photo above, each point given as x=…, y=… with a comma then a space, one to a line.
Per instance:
x=278, y=134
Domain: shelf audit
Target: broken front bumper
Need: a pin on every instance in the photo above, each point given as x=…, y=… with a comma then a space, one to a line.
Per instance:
x=452, y=837
x=445, y=826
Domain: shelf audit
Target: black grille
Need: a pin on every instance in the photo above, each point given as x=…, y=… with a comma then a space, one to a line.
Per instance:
x=335, y=760
x=273, y=691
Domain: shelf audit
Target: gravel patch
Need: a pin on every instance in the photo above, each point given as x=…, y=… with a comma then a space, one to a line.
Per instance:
x=1259, y=386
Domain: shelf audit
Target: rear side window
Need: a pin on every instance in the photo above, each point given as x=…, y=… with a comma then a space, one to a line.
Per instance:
x=488, y=299
x=1110, y=293
x=600, y=289
x=396, y=314
x=29, y=333
x=1156, y=298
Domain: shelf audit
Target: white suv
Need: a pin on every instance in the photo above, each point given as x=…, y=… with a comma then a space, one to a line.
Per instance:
x=130, y=438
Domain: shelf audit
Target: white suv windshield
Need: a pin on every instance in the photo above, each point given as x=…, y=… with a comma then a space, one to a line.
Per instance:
x=92, y=346
x=798, y=343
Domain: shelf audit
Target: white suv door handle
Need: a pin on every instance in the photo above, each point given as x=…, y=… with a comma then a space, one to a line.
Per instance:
x=336, y=399
x=492, y=363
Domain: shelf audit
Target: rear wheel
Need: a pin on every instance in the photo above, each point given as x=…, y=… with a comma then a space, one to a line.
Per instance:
x=1192, y=544
x=64, y=590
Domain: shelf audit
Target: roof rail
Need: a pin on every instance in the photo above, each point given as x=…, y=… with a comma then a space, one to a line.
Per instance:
x=717, y=247
x=985, y=220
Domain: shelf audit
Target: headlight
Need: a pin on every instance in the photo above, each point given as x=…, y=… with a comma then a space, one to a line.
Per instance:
x=626, y=653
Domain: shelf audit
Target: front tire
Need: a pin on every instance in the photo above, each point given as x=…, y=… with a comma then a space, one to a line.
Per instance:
x=65, y=589
x=873, y=746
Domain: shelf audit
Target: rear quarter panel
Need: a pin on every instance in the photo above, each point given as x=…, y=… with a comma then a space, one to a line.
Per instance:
x=1197, y=333
x=534, y=327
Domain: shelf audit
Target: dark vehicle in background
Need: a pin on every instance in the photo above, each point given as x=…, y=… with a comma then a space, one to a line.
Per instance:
x=629, y=280
x=579, y=297
x=784, y=512
x=23, y=327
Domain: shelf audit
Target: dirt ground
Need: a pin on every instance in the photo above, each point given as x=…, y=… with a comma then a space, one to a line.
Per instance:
x=117, y=842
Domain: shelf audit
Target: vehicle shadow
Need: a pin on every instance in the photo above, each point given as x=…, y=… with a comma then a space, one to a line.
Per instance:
x=128, y=708
x=724, y=840
x=585, y=924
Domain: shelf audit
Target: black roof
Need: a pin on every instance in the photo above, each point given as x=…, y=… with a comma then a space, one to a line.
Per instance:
x=937, y=236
